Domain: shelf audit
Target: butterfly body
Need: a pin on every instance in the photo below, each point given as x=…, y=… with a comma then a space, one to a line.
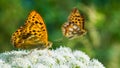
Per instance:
x=33, y=34
x=74, y=26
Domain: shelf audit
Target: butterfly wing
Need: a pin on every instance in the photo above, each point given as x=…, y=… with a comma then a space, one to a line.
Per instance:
x=76, y=18
x=36, y=26
x=16, y=37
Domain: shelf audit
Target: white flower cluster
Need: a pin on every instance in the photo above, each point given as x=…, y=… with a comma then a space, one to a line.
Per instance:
x=62, y=57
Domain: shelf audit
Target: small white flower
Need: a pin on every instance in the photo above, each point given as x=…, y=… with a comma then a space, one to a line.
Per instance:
x=81, y=56
x=4, y=65
x=95, y=64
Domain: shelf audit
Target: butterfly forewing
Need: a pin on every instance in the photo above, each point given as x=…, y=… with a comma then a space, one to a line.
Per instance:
x=36, y=26
x=76, y=18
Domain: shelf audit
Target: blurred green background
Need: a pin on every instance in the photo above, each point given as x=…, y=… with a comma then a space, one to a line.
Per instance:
x=102, y=17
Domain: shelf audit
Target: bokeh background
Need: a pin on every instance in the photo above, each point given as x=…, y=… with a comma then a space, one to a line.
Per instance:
x=102, y=22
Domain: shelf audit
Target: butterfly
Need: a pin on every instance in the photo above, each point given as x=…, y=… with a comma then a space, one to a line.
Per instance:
x=74, y=26
x=33, y=34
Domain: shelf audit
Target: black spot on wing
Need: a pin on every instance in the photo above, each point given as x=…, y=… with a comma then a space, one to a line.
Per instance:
x=36, y=22
x=41, y=23
x=34, y=30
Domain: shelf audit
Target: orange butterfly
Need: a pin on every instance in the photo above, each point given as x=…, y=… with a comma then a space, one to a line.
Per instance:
x=74, y=26
x=33, y=34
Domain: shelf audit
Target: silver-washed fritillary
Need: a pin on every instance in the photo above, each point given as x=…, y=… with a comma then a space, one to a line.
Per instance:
x=33, y=34
x=74, y=26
